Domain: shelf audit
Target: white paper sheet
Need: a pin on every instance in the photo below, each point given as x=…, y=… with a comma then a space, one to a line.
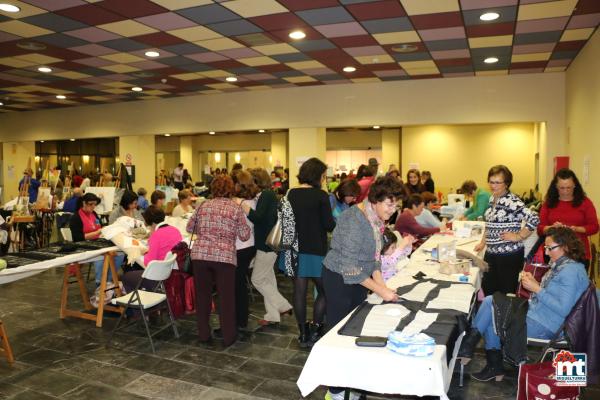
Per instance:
x=421, y=322
x=383, y=319
x=419, y=292
x=456, y=297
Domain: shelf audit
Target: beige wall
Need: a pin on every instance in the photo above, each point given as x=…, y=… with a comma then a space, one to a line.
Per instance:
x=14, y=161
x=390, y=149
x=353, y=140
x=142, y=150
x=583, y=116
x=490, y=99
x=279, y=149
x=305, y=143
x=234, y=142
x=470, y=150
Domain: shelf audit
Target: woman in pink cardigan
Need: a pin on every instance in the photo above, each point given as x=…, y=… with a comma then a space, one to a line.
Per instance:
x=162, y=239
x=406, y=222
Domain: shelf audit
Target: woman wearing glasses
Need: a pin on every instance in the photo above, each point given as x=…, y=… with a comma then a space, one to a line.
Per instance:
x=504, y=233
x=567, y=205
x=551, y=301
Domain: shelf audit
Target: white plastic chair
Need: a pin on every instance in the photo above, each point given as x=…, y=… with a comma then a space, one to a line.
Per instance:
x=142, y=300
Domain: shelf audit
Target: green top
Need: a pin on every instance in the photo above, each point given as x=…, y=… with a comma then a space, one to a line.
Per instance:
x=480, y=204
x=331, y=186
x=264, y=218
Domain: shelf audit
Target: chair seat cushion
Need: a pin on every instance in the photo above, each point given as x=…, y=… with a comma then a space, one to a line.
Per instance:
x=148, y=299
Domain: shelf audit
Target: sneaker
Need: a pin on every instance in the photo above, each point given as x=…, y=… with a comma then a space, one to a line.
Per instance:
x=340, y=395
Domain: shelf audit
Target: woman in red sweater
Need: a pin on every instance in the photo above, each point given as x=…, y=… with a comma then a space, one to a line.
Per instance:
x=567, y=205
x=406, y=222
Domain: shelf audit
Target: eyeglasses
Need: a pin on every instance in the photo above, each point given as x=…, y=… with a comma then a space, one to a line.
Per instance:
x=495, y=182
x=550, y=248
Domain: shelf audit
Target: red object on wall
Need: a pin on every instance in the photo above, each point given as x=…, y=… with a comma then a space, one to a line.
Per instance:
x=560, y=162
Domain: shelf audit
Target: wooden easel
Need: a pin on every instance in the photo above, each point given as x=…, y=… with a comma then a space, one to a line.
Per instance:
x=75, y=269
x=5, y=348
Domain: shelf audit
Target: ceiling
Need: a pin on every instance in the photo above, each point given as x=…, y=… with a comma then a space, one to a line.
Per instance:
x=96, y=49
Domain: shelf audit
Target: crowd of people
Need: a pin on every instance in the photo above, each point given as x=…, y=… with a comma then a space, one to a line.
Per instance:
x=347, y=239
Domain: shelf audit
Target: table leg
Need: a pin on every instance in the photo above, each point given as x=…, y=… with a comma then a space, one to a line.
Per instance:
x=109, y=262
x=6, y=349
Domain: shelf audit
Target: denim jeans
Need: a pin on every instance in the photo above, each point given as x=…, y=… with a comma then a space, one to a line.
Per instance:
x=118, y=259
x=483, y=322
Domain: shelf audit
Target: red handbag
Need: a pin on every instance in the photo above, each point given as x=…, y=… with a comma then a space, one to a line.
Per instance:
x=536, y=382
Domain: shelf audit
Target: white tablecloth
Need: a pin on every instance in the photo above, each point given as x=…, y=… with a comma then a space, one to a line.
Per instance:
x=14, y=274
x=336, y=361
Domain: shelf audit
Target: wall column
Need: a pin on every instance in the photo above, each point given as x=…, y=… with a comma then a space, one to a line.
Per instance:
x=304, y=143
x=390, y=149
x=14, y=162
x=279, y=142
x=188, y=156
x=142, y=150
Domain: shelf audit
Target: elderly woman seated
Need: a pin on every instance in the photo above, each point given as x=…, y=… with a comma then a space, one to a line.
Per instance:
x=551, y=301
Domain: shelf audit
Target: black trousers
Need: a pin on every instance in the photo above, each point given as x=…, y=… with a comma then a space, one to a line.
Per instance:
x=341, y=298
x=503, y=275
x=244, y=257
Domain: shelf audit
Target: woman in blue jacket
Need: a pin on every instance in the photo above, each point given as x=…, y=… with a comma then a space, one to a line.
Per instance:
x=551, y=301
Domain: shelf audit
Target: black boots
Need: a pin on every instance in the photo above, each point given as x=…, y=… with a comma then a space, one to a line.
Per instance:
x=304, y=338
x=468, y=345
x=493, y=369
x=316, y=331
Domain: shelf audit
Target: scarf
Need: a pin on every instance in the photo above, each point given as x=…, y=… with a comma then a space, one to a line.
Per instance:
x=555, y=268
x=377, y=225
x=289, y=241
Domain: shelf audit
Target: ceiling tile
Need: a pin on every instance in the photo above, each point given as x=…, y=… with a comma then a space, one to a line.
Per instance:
x=288, y=21
x=219, y=44
x=291, y=57
x=550, y=9
x=365, y=51
x=233, y=28
x=93, y=49
x=351, y=41
x=16, y=63
x=158, y=39
x=490, y=41
x=570, y=45
x=584, y=21
x=208, y=14
x=91, y=14
x=55, y=4
x=132, y=8
x=53, y=22
x=93, y=62
x=456, y=32
x=166, y=21
x=38, y=58
x=384, y=58
x=484, y=4
x=537, y=37
x=397, y=37
x=326, y=16
x=180, y=4
x=383, y=9
x=92, y=34
x=448, y=62
x=274, y=49
x=299, y=79
x=450, y=44
x=298, y=5
x=122, y=58
x=71, y=75
x=417, y=7
x=124, y=44
x=440, y=20
x=183, y=48
x=23, y=29
x=386, y=25
x=60, y=40
x=194, y=34
x=505, y=28
x=127, y=28
x=451, y=54
x=120, y=68
x=533, y=48
x=530, y=57
x=507, y=14
x=343, y=29
x=576, y=34
x=313, y=45
x=254, y=8
x=257, y=61
x=301, y=65
x=26, y=10
x=240, y=53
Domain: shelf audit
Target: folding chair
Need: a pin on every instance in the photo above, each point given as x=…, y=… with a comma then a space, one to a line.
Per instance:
x=142, y=300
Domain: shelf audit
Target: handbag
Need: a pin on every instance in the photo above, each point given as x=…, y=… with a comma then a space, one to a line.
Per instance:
x=275, y=237
x=537, y=382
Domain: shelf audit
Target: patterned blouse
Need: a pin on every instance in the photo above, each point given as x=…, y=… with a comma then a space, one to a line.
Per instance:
x=219, y=222
x=507, y=216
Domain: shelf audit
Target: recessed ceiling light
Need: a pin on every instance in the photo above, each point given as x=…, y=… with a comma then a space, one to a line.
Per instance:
x=137, y=89
x=61, y=96
x=152, y=54
x=167, y=134
x=297, y=35
x=261, y=131
x=349, y=69
x=1, y=103
x=231, y=79
x=491, y=60
x=45, y=69
x=9, y=8
x=31, y=46
x=489, y=16
x=376, y=127
x=42, y=141
x=211, y=132
x=404, y=48
x=72, y=140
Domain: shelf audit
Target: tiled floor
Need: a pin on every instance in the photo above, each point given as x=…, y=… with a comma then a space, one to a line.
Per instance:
x=68, y=359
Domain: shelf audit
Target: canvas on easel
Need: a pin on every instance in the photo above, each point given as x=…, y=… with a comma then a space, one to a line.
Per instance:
x=106, y=195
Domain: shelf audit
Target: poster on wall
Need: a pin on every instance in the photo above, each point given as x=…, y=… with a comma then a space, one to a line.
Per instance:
x=413, y=165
